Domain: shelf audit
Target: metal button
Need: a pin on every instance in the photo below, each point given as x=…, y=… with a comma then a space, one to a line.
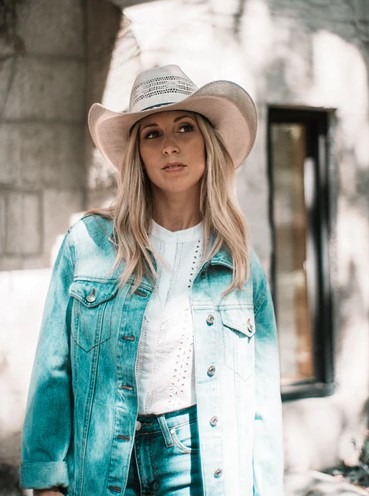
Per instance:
x=250, y=326
x=138, y=425
x=210, y=320
x=214, y=421
x=91, y=297
x=211, y=371
x=218, y=473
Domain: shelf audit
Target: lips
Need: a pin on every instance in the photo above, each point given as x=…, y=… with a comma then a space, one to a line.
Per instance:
x=174, y=166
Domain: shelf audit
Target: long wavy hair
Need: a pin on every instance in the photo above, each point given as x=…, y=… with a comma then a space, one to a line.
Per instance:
x=131, y=211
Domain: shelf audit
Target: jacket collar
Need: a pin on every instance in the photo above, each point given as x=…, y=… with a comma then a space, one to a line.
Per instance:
x=223, y=258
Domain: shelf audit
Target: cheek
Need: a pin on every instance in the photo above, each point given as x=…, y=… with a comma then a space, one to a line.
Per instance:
x=201, y=153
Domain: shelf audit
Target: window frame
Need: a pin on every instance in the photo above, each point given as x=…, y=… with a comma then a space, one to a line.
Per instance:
x=318, y=124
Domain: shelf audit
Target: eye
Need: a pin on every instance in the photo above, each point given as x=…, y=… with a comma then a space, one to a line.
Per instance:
x=186, y=127
x=151, y=134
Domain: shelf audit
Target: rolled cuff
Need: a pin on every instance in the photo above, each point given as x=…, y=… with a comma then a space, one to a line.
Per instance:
x=43, y=475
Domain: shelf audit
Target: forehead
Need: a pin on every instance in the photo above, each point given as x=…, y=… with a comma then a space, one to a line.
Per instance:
x=167, y=116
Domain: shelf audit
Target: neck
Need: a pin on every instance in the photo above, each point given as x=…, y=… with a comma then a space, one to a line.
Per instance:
x=176, y=212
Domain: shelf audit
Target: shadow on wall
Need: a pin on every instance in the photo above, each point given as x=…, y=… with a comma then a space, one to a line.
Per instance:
x=9, y=481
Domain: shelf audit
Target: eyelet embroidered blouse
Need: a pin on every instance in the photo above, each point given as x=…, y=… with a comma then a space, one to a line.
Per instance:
x=165, y=365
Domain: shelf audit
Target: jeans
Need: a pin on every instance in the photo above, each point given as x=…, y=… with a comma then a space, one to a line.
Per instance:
x=166, y=456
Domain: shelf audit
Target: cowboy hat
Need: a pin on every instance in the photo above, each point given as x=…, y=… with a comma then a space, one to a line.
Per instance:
x=227, y=106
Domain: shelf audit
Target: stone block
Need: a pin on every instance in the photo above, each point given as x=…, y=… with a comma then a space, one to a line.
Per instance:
x=23, y=223
x=34, y=155
x=361, y=10
x=103, y=23
x=65, y=166
x=2, y=223
x=363, y=30
x=7, y=47
x=60, y=209
x=12, y=146
x=99, y=198
x=6, y=70
x=51, y=27
x=46, y=89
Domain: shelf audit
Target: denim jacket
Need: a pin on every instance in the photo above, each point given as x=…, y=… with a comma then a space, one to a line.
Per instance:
x=82, y=406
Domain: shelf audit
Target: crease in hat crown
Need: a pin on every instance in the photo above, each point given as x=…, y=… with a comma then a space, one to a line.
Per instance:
x=226, y=105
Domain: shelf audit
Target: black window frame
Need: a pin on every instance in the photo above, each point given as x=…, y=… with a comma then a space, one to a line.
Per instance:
x=317, y=123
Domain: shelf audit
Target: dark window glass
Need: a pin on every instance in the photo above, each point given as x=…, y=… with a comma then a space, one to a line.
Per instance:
x=299, y=214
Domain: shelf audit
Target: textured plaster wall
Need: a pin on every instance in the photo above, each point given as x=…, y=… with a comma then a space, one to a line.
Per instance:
x=306, y=53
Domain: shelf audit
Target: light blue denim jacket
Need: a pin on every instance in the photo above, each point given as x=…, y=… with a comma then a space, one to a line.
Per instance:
x=82, y=407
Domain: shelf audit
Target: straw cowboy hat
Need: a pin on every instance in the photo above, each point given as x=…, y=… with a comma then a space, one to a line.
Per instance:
x=228, y=107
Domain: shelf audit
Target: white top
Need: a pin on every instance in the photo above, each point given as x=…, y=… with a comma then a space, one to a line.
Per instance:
x=165, y=365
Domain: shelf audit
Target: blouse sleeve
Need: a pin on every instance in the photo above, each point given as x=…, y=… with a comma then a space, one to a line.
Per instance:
x=47, y=426
x=268, y=441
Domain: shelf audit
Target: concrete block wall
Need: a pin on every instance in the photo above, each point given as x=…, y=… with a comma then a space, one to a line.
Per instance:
x=42, y=178
x=44, y=95
x=42, y=111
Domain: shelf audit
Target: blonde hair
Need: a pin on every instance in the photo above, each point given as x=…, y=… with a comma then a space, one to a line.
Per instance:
x=131, y=212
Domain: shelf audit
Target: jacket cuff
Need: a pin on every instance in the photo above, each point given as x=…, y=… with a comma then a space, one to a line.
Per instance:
x=43, y=475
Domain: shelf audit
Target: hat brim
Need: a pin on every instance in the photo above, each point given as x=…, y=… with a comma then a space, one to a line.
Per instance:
x=228, y=107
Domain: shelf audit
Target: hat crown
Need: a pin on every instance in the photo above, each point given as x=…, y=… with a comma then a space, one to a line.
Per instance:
x=160, y=86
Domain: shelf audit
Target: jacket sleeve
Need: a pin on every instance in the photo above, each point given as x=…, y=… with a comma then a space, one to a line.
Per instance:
x=268, y=440
x=47, y=426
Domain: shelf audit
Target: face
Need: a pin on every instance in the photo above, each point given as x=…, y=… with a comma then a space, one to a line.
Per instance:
x=172, y=150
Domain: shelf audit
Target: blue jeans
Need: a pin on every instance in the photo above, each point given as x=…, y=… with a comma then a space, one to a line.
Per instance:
x=166, y=456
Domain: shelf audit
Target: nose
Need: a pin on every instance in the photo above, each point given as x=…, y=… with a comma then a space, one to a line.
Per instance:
x=170, y=145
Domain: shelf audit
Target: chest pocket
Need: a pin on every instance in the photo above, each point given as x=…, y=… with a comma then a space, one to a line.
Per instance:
x=92, y=312
x=238, y=339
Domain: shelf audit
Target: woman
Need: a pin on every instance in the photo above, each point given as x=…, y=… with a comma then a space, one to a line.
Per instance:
x=157, y=366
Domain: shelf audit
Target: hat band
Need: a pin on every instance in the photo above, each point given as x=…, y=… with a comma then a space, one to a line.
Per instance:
x=157, y=106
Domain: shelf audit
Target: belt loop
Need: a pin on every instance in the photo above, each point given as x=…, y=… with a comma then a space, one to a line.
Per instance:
x=165, y=431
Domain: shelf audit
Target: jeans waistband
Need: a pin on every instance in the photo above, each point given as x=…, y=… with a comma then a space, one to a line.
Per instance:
x=153, y=423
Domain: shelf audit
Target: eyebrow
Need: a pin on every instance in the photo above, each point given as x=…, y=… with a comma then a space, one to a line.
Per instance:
x=182, y=116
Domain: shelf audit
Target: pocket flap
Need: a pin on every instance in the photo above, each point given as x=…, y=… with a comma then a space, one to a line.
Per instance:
x=239, y=319
x=93, y=293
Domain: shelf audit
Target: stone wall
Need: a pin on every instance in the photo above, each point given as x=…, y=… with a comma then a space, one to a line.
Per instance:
x=42, y=110
x=44, y=93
